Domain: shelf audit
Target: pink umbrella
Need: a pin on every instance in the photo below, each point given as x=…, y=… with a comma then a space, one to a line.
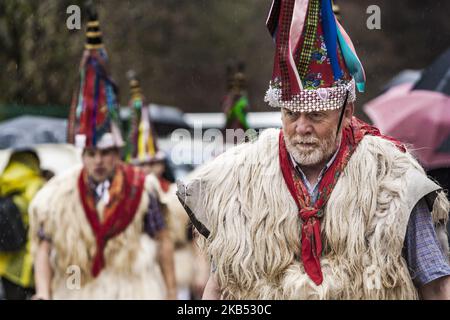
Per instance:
x=417, y=117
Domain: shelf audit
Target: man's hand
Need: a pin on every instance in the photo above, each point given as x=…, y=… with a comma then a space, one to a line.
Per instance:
x=201, y=273
x=171, y=294
x=212, y=291
x=438, y=289
x=42, y=271
x=40, y=296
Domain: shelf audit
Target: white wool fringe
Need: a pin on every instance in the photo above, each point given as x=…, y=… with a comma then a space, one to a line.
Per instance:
x=255, y=230
x=131, y=270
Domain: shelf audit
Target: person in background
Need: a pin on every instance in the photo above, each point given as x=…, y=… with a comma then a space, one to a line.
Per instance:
x=20, y=181
x=98, y=231
x=144, y=154
x=143, y=140
x=235, y=103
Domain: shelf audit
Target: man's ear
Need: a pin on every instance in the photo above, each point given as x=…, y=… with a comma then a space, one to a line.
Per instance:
x=348, y=113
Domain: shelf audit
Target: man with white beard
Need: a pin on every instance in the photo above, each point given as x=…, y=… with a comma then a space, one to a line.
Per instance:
x=327, y=207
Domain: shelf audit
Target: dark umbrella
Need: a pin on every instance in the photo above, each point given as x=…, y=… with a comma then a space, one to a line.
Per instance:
x=437, y=76
x=405, y=76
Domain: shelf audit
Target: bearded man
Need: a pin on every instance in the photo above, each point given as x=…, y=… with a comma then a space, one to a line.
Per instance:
x=327, y=207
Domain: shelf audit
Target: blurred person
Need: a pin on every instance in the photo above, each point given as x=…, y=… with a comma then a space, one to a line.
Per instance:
x=20, y=181
x=47, y=174
x=99, y=231
x=158, y=167
x=144, y=154
x=143, y=140
x=327, y=207
x=235, y=104
x=191, y=266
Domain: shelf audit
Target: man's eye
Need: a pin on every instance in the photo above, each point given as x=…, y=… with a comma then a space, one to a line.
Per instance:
x=289, y=113
x=316, y=115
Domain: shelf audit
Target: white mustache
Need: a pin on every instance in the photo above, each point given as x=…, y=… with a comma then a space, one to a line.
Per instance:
x=309, y=139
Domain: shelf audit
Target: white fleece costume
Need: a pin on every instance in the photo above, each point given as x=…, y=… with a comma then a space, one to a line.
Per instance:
x=241, y=200
x=131, y=269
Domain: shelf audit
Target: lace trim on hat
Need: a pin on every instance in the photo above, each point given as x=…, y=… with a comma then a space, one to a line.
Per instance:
x=309, y=100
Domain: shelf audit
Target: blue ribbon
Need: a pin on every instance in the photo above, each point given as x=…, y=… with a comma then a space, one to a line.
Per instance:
x=330, y=34
x=352, y=62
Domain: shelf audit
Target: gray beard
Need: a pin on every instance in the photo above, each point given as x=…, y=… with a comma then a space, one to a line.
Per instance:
x=307, y=156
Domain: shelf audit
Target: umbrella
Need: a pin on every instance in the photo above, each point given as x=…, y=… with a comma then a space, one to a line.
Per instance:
x=437, y=76
x=417, y=117
x=54, y=157
x=405, y=76
x=30, y=130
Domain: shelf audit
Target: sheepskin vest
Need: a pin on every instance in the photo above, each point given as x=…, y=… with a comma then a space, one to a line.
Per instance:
x=240, y=201
x=131, y=270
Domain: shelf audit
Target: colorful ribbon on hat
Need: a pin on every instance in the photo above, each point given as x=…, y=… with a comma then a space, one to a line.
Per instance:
x=286, y=23
x=330, y=36
x=146, y=142
x=352, y=61
x=97, y=105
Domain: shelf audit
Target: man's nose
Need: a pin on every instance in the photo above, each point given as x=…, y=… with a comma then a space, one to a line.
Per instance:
x=303, y=125
x=98, y=158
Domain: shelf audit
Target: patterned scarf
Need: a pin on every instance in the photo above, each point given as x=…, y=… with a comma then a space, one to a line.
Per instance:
x=125, y=195
x=309, y=213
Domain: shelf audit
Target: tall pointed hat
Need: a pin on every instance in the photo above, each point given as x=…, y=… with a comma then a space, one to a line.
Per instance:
x=96, y=114
x=315, y=65
x=143, y=138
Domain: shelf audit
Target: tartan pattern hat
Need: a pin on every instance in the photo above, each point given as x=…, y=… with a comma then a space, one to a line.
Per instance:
x=315, y=63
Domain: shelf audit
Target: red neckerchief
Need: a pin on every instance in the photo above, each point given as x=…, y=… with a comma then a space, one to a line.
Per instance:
x=165, y=184
x=125, y=195
x=310, y=214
